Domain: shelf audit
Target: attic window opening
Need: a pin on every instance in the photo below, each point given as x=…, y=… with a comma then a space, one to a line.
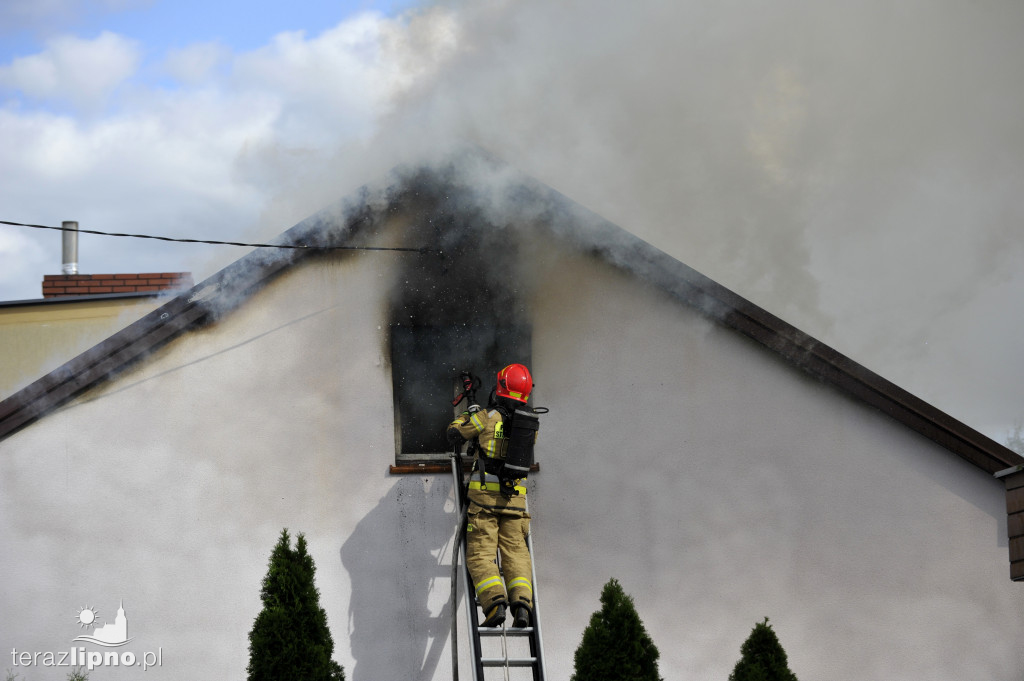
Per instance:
x=426, y=362
x=464, y=311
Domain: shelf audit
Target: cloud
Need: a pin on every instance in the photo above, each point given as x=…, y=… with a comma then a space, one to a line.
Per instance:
x=333, y=93
x=19, y=257
x=84, y=72
x=199, y=156
x=342, y=79
x=195, y=64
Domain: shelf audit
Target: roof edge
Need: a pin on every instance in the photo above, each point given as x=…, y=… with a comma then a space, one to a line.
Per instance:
x=90, y=298
x=193, y=308
x=578, y=226
x=633, y=255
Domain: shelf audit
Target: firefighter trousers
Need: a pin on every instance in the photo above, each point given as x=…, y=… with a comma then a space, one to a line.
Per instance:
x=496, y=524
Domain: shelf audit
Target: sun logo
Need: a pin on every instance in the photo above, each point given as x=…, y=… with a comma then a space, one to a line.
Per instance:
x=87, y=616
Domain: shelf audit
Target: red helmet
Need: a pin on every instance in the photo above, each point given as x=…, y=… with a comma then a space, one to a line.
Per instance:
x=515, y=382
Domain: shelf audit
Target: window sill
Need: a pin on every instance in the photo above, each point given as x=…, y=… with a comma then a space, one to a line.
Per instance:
x=434, y=467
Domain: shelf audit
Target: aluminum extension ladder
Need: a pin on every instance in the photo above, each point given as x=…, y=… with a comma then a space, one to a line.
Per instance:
x=514, y=651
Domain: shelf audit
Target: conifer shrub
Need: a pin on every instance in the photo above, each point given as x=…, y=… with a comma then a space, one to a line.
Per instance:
x=762, y=657
x=290, y=640
x=615, y=645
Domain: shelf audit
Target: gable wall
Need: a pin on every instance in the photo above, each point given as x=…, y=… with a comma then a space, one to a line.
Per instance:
x=717, y=484
x=746, y=489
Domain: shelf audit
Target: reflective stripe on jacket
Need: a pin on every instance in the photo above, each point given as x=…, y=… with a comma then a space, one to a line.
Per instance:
x=487, y=428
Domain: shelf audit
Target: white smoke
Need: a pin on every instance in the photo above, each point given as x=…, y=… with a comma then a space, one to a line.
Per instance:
x=853, y=168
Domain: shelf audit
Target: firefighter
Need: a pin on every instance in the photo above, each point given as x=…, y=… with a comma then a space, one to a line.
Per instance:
x=497, y=515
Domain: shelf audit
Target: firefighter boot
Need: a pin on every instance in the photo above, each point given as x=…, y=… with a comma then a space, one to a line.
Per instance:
x=495, y=617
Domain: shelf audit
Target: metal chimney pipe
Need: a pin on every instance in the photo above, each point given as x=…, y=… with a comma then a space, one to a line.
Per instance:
x=70, y=242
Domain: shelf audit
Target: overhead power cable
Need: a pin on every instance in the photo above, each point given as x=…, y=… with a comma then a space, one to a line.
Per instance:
x=224, y=243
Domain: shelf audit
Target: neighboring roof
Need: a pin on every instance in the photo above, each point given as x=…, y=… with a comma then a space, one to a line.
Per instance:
x=92, y=297
x=348, y=223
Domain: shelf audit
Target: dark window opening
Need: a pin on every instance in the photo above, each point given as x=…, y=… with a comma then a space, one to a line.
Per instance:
x=463, y=310
x=426, y=364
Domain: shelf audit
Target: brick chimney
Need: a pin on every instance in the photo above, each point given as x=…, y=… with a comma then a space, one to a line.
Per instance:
x=58, y=285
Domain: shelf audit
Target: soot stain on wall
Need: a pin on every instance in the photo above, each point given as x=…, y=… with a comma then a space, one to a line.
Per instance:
x=462, y=309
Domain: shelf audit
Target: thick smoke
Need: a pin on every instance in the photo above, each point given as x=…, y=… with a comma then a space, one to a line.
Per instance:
x=461, y=306
x=852, y=167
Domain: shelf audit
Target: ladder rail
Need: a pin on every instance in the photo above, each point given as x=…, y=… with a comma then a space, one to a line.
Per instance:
x=536, y=660
x=474, y=621
x=462, y=507
x=469, y=596
x=536, y=638
x=457, y=541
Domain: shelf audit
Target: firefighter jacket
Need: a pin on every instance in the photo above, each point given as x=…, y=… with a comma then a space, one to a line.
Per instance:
x=495, y=522
x=487, y=428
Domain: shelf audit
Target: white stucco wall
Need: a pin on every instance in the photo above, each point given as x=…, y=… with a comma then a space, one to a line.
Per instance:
x=725, y=486
x=718, y=485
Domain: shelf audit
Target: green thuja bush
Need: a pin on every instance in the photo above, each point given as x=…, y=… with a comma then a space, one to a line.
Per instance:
x=762, y=657
x=615, y=645
x=290, y=640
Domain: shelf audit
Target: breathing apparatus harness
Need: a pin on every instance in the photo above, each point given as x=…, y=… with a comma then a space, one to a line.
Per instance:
x=519, y=426
x=517, y=431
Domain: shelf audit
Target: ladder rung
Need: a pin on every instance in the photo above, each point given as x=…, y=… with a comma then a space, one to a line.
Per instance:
x=498, y=631
x=512, y=662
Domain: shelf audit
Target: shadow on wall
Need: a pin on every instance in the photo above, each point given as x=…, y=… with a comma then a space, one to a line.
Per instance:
x=397, y=562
